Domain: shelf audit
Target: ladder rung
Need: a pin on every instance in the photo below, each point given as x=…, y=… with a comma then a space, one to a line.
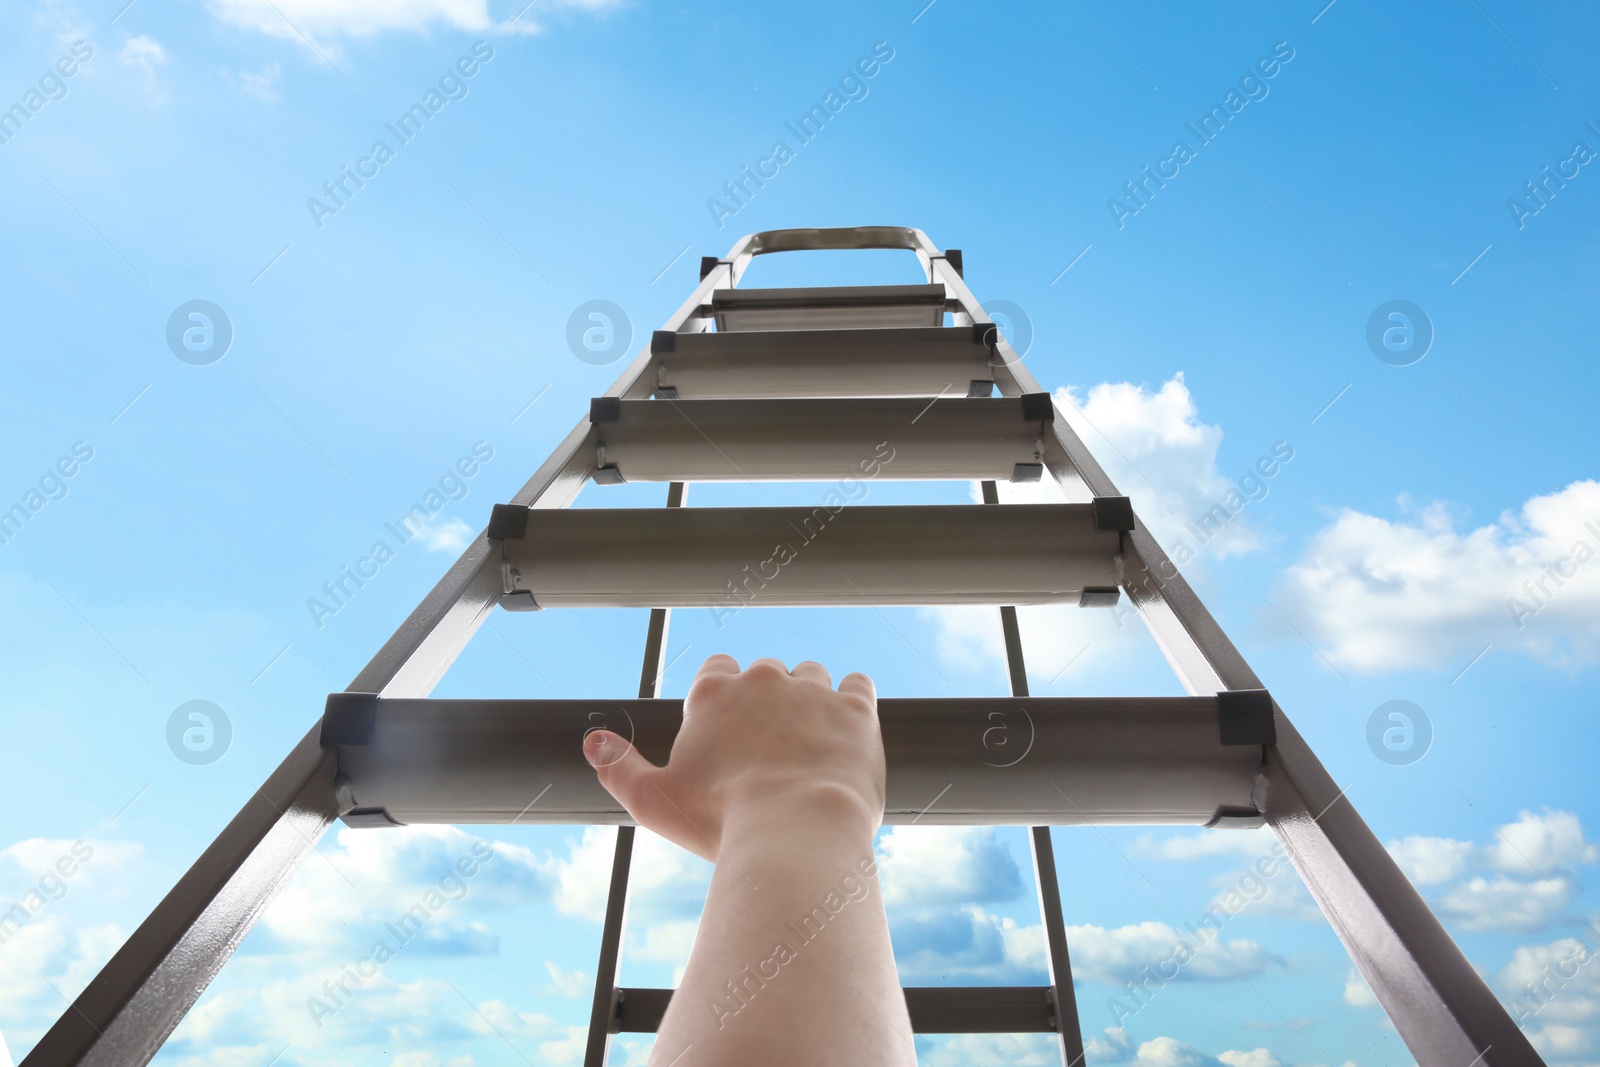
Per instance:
x=933, y=1009
x=829, y=308
x=833, y=554
x=821, y=439
x=951, y=761
x=924, y=362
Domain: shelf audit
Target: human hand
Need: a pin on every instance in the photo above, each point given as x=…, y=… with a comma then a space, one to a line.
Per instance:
x=764, y=745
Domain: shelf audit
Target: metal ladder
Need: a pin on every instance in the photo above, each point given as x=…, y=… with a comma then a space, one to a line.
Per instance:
x=783, y=384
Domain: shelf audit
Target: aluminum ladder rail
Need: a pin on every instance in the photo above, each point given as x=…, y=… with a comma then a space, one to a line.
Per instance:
x=1437, y=1001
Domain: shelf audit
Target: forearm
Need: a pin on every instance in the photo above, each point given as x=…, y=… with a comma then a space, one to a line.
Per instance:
x=792, y=962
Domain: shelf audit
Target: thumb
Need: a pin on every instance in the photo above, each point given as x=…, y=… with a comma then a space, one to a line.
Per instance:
x=625, y=773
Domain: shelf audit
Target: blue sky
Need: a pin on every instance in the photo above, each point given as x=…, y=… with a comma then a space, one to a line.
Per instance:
x=1187, y=333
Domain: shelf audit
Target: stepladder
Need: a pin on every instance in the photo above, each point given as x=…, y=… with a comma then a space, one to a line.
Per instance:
x=791, y=385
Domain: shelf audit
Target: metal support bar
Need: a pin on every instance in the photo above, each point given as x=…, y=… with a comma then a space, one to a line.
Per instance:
x=924, y=362
x=817, y=439
x=844, y=307
x=1143, y=760
x=603, y=1011
x=834, y=554
x=1058, y=962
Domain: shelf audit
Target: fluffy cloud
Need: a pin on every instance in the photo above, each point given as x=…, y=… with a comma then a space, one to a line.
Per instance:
x=968, y=946
x=1117, y=1046
x=1507, y=904
x=933, y=866
x=1553, y=991
x=1531, y=865
x=47, y=953
x=1377, y=594
x=1432, y=860
x=363, y=879
x=452, y=535
x=1017, y=1050
x=1204, y=844
x=364, y=18
x=1157, y=450
x=1357, y=993
x=1115, y=956
x=1540, y=843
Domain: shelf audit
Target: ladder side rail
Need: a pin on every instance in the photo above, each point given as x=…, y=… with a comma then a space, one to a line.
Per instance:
x=603, y=1010
x=125, y=1013
x=1438, y=1002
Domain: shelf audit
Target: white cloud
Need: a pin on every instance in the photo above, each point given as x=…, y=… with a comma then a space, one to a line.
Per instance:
x=363, y=879
x=47, y=952
x=1553, y=992
x=663, y=874
x=1377, y=595
x=1537, y=844
x=932, y=866
x=288, y=19
x=1357, y=993
x=1507, y=904
x=453, y=535
x=1203, y=844
x=1116, y=956
x=1016, y=1050
x=1432, y=860
x=565, y=983
x=1156, y=449
x=145, y=52
x=1168, y=1052
x=262, y=85
x=1254, y=1058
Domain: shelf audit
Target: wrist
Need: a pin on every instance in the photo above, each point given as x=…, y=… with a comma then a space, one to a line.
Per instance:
x=821, y=812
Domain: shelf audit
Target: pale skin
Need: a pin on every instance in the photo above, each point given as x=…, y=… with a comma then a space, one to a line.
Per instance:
x=776, y=778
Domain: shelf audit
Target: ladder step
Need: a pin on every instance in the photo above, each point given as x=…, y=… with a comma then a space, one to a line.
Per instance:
x=951, y=761
x=928, y=361
x=933, y=1009
x=840, y=307
x=821, y=439
x=834, y=554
